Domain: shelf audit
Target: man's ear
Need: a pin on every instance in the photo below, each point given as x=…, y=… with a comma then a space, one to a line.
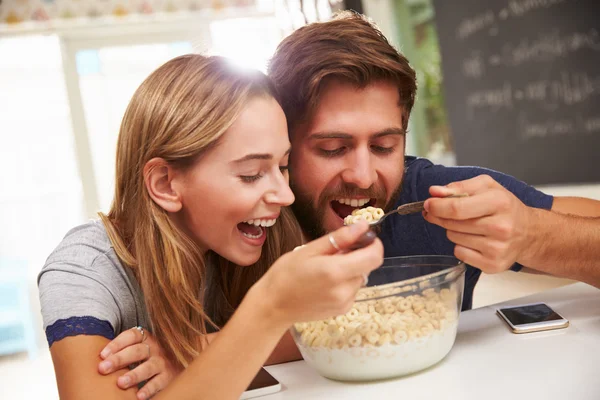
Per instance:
x=158, y=177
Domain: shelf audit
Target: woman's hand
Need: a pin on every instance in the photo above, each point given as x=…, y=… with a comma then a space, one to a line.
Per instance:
x=133, y=346
x=320, y=279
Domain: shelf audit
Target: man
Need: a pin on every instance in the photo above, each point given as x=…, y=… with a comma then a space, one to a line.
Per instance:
x=347, y=94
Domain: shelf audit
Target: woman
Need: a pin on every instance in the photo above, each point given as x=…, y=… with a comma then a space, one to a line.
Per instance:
x=201, y=188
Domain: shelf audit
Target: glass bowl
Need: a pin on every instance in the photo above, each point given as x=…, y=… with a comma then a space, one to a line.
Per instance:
x=404, y=321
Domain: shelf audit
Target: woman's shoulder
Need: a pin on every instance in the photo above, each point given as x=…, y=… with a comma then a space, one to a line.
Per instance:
x=86, y=254
x=83, y=280
x=83, y=247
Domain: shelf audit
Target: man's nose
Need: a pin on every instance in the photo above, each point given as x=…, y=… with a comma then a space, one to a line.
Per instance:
x=360, y=171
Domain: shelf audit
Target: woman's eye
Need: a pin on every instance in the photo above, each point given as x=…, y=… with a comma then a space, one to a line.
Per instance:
x=250, y=178
x=284, y=169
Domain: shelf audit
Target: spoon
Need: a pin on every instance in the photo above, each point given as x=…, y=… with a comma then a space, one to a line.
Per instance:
x=408, y=208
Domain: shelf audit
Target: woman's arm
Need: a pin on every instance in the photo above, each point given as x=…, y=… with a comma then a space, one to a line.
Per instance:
x=76, y=361
x=312, y=283
x=157, y=371
x=226, y=368
x=285, y=351
x=222, y=371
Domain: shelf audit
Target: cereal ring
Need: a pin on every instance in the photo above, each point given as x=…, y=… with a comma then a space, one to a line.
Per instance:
x=341, y=320
x=445, y=294
x=362, y=308
x=300, y=326
x=400, y=337
x=355, y=340
x=384, y=339
x=372, y=337
x=430, y=306
x=353, y=314
x=414, y=334
x=389, y=309
x=403, y=305
x=334, y=330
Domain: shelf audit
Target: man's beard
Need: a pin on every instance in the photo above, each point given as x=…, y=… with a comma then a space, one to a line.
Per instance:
x=311, y=220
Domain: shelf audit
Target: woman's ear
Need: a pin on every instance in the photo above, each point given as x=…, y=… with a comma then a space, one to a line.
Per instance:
x=158, y=177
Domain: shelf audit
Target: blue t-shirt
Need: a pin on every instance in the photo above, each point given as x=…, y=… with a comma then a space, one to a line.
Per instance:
x=407, y=235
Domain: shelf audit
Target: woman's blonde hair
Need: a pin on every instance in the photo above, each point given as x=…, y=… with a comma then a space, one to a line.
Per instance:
x=178, y=113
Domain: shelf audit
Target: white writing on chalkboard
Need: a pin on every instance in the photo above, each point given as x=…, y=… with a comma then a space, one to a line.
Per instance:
x=590, y=125
x=521, y=7
x=547, y=47
x=474, y=66
x=574, y=88
x=548, y=127
x=516, y=8
x=522, y=77
x=470, y=26
x=566, y=126
x=568, y=89
x=492, y=99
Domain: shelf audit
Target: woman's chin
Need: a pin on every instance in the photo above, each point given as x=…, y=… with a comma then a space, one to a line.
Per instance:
x=244, y=256
x=246, y=259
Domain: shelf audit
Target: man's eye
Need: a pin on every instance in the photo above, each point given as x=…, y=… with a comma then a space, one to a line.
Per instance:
x=250, y=178
x=382, y=150
x=284, y=169
x=332, y=153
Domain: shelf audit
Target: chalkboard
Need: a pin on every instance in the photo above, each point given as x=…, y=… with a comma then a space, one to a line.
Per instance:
x=522, y=86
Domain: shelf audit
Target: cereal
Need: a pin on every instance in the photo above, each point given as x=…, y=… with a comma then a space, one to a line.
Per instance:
x=362, y=361
x=369, y=214
x=390, y=331
x=383, y=317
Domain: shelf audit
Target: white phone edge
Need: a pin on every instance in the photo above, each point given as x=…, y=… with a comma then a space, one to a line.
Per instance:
x=249, y=394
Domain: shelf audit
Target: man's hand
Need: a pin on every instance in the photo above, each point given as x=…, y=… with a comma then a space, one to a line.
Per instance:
x=490, y=227
x=132, y=347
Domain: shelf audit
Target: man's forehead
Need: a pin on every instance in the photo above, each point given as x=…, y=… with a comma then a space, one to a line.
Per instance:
x=344, y=108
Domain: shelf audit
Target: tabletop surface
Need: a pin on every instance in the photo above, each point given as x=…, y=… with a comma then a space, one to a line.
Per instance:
x=487, y=361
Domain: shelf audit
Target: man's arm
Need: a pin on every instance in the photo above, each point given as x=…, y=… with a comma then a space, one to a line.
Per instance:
x=576, y=206
x=493, y=229
x=565, y=242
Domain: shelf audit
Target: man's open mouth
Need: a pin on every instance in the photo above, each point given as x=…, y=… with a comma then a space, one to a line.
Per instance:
x=344, y=206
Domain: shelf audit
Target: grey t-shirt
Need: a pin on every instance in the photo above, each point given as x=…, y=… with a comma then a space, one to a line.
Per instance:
x=84, y=289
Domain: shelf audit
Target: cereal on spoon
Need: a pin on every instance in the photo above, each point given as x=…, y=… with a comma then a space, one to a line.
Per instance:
x=369, y=214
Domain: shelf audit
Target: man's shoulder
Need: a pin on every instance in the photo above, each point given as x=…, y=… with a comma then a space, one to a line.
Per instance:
x=421, y=173
x=423, y=170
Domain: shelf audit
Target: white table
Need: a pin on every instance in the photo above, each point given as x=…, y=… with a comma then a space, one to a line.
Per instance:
x=487, y=361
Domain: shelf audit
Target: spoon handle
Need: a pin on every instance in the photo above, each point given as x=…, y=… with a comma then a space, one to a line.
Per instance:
x=363, y=241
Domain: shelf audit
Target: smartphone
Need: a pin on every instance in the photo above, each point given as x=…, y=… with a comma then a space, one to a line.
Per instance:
x=532, y=318
x=263, y=384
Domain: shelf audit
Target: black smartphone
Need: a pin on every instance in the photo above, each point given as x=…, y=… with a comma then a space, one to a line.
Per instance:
x=263, y=384
x=532, y=318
